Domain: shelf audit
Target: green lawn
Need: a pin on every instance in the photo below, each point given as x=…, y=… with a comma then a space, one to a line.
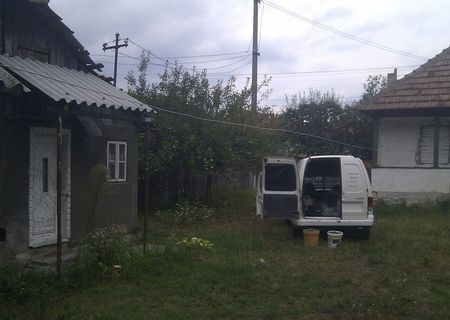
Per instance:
x=255, y=270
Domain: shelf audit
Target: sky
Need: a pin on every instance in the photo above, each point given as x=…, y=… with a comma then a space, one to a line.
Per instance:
x=292, y=51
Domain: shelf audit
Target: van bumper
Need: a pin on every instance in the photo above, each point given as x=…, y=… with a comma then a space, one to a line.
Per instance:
x=333, y=222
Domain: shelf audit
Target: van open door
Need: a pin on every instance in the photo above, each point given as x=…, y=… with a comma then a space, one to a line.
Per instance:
x=280, y=188
x=354, y=189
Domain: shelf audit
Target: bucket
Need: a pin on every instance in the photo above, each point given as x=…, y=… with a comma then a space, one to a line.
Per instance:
x=311, y=237
x=334, y=238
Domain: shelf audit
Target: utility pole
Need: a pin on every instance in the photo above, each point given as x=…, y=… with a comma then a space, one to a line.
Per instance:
x=255, y=56
x=116, y=48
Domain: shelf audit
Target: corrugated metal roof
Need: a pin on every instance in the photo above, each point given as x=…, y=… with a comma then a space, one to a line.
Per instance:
x=10, y=83
x=424, y=88
x=69, y=85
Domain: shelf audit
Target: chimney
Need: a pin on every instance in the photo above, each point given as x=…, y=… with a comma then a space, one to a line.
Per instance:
x=391, y=78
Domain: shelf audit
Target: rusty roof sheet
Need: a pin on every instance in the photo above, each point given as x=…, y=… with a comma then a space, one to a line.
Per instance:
x=68, y=85
x=426, y=87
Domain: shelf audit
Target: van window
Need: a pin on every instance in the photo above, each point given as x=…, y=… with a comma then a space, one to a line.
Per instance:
x=280, y=177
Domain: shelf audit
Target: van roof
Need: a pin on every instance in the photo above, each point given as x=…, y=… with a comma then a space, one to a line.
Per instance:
x=331, y=156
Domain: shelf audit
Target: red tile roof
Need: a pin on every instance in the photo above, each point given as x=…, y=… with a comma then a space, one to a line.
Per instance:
x=424, y=88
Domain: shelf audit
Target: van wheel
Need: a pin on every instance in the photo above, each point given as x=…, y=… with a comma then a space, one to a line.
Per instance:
x=364, y=233
x=296, y=232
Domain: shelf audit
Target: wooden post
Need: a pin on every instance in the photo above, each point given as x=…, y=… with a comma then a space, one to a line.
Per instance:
x=59, y=149
x=147, y=208
x=436, y=143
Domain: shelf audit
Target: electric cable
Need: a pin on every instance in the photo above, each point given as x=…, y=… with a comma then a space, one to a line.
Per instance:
x=343, y=33
x=192, y=116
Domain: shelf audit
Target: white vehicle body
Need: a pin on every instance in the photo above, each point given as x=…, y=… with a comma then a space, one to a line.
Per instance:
x=319, y=191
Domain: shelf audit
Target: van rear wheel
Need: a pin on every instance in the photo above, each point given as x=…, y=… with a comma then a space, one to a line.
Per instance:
x=364, y=233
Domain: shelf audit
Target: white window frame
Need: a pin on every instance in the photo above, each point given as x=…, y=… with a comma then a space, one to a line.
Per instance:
x=117, y=161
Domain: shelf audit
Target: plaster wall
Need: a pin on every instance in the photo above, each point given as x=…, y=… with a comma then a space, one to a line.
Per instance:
x=397, y=141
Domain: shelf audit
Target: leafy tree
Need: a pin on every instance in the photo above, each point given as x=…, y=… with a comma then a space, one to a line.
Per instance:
x=186, y=153
x=373, y=85
x=325, y=115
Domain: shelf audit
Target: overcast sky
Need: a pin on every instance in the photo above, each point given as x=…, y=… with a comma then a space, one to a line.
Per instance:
x=200, y=27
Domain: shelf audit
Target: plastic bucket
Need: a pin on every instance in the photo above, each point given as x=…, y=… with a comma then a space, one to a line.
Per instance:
x=311, y=237
x=334, y=238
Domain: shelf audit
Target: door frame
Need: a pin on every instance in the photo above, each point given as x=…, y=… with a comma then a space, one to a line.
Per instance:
x=50, y=239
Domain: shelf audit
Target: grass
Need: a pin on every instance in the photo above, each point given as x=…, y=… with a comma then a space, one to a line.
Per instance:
x=255, y=270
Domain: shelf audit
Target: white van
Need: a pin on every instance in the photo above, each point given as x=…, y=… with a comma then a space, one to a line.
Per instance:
x=320, y=191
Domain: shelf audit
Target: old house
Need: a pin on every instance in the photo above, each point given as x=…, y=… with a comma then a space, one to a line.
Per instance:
x=412, y=134
x=48, y=85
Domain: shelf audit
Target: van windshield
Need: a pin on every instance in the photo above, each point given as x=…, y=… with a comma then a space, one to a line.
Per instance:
x=280, y=177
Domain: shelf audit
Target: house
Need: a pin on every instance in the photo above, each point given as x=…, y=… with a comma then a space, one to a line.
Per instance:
x=412, y=134
x=48, y=85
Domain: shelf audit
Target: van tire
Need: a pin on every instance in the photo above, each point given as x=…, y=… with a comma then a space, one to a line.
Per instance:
x=364, y=233
x=296, y=232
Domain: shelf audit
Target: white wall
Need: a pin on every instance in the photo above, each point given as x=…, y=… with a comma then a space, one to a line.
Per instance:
x=397, y=141
x=410, y=185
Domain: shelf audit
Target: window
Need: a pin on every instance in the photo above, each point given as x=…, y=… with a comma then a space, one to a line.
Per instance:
x=280, y=177
x=425, y=145
x=117, y=161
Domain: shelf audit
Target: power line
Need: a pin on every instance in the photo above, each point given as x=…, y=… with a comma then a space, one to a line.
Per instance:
x=195, y=117
x=260, y=128
x=327, y=71
x=342, y=33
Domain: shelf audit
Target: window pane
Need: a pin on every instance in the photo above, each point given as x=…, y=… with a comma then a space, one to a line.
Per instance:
x=122, y=152
x=280, y=177
x=122, y=171
x=424, y=154
x=111, y=171
x=111, y=151
x=444, y=144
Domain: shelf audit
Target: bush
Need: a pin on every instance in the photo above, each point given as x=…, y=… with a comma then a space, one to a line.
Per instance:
x=188, y=212
x=106, y=249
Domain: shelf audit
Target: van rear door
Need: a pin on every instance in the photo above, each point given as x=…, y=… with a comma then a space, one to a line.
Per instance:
x=354, y=189
x=280, y=188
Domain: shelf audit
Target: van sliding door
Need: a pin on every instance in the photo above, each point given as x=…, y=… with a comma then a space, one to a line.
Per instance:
x=280, y=188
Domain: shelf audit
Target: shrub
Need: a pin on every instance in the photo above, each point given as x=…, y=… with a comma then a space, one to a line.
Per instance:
x=188, y=212
x=106, y=249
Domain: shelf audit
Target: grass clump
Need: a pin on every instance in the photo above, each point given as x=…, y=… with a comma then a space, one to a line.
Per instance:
x=187, y=212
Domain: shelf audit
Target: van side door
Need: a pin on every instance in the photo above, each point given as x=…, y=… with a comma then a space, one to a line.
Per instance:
x=354, y=189
x=280, y=188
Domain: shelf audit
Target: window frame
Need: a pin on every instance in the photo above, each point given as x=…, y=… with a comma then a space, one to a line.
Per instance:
x=117, y=160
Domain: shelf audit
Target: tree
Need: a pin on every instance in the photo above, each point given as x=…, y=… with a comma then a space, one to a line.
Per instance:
x=373, y=85
x=186, y=153
x=325, y=115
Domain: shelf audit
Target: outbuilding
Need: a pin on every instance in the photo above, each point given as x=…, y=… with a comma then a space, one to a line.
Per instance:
x=55, y=109
x=412, y=134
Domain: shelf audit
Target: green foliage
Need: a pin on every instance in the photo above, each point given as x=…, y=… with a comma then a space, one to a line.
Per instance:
x=182, y=146
x=373, y=85
x=188, y=212
x=106, y=249
x=195, y=242
x=325, y=115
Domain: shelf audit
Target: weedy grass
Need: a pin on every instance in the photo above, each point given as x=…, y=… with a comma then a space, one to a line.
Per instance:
x=255, y=270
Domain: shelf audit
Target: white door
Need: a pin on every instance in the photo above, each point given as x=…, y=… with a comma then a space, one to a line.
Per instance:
x=280, y=188
x=354, y=189
x=42, y=193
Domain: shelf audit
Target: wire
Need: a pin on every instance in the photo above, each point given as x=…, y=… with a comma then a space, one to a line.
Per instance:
x=326, y=71
x=342, y=33
x=260, y=25
x=208, y=55
x=231, y=71
x=260, y=128
x=192, y=116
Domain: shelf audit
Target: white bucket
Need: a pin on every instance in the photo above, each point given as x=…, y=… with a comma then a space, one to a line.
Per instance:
x=334, y=238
